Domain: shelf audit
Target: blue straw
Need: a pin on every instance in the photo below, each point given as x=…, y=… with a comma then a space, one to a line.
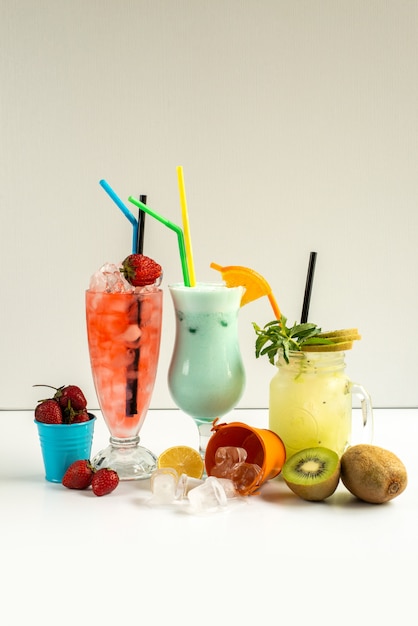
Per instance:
x=124, y=210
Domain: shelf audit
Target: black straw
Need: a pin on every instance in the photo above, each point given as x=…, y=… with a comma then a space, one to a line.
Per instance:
x=308, y=288
x=141, y=227
x=132, y=382
x=132, y=371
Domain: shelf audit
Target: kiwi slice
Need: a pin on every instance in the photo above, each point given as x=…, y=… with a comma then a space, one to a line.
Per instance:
x=342, y=340
x=331, y=347
x=312, y=474
x=346, y=333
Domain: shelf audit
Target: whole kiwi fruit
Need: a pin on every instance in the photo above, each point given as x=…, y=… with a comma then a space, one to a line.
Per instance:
x=373, y=474
x=312, y=474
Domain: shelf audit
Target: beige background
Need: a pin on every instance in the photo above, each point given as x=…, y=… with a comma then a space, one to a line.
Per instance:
x=296, y=124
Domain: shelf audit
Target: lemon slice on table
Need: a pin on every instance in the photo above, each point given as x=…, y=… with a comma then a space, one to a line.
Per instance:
x=254, y=284
x=184, y=459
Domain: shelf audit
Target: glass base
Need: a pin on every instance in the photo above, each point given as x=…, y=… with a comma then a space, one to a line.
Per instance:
x=130, y=460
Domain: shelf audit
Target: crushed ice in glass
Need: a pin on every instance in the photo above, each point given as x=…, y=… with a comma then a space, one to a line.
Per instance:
x=110, y=279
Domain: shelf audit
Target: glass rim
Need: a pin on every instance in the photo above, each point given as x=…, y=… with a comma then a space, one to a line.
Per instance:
x=203, y=286
x=310, y=355
x=125, y=293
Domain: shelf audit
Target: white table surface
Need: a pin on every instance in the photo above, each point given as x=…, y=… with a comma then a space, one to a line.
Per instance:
x=68, y=557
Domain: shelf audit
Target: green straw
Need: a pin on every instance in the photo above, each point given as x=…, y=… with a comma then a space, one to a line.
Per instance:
x=177, y=229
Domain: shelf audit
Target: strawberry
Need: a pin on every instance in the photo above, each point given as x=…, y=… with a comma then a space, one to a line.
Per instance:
x=104, y=481
x=139, y=270
x=68, y=395
x=78, y=475
x=74, y=417
x=79, y=416
x=71, y=395
x=49, y=412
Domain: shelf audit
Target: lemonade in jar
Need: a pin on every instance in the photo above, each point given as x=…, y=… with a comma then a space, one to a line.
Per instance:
x=310, y=401
x=310, y=396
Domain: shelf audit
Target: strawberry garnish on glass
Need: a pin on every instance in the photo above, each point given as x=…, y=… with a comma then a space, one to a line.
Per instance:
x=140, y=270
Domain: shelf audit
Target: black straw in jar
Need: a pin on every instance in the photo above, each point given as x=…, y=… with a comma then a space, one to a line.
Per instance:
x=308, y=288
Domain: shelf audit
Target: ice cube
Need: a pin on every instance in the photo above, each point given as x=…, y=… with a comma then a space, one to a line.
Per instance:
x=110, y=279
x=164, y=485
x=208, y=496
x=185, y=484
x=226, y=460
x=230, y=455
x=245, y=477
x=229, y=487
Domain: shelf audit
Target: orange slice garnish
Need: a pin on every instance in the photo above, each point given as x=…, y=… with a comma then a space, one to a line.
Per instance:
x=254, y=284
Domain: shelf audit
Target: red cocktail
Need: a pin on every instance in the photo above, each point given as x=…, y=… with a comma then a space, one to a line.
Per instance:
x=124, y=331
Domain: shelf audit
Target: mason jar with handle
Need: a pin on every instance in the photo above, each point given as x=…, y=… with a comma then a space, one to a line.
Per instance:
x=310, y=402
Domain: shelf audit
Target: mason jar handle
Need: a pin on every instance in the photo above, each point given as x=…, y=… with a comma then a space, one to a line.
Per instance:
x=366, y=409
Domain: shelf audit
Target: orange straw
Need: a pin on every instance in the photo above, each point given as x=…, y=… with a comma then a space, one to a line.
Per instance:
x=274, y=305
x=186, y=228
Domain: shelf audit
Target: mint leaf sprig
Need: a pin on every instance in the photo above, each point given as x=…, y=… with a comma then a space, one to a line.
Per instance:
x=276, y=336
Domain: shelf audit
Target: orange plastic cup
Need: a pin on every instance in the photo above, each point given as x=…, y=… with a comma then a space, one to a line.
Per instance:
x=263, y=446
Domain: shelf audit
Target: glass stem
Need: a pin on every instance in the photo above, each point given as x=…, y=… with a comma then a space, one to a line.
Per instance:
x=205, y=433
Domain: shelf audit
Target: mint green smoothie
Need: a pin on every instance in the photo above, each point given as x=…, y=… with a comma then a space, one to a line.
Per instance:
x=206, y=376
